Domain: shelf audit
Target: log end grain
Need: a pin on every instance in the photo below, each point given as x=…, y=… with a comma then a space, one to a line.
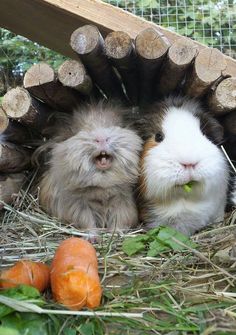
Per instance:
x=73, y=74
x=39, y=74
x=223, y=99
x=85, y=39
x=151, y=44
x=209, y=65
x=118, y=45
x=183, y=52
x=16, y=102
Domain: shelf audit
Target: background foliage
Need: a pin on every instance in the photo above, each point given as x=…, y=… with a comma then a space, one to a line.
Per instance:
x=210, y=22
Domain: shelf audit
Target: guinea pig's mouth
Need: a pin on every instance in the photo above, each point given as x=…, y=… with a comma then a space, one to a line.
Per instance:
x=103, y=160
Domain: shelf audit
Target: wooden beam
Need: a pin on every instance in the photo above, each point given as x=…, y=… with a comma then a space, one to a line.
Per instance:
x=51, y=22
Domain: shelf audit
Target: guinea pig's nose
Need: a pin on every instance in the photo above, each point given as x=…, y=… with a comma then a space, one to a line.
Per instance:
x=101, y=140
x=189, y=165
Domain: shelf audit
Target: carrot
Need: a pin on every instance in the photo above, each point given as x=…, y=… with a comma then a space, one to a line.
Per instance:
x=74, y=275
x=26, y=272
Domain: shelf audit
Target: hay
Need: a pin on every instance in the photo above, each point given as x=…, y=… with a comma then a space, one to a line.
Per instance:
x=189, y=292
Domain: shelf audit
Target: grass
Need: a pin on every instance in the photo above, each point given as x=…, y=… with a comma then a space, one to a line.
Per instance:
x=190, y=292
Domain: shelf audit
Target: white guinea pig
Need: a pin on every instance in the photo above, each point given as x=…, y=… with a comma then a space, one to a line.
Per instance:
x=184, y=174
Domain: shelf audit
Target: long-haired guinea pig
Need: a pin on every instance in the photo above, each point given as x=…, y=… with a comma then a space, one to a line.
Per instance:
x=184, y=175
x=93, y=167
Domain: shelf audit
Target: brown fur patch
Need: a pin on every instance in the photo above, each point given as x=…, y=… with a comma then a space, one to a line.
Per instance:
x=149, y=144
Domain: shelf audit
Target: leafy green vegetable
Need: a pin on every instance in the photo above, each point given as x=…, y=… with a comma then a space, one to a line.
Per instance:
x=135, y=244
x=156, y=247
x=187, y=188
x=22, y=292
x=156, y=241
x=170, y=237
x=30, y=323
x=13, y=322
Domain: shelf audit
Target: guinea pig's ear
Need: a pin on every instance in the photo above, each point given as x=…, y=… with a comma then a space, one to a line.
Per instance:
x=211, y=128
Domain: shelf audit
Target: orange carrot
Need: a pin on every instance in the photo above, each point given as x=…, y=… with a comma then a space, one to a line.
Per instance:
x=26, y=272
x=74, y=275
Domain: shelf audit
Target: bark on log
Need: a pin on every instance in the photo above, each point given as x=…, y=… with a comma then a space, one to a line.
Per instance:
x=4, y=122
x=151, y=47
x=72, y=74
x=119, y=49
x=88, y=43
x=40, y=80
x=10, y=186
x=208, y=68
x=18, y=104
x=13, y=158
x=180, y=57
x=229, y=123
x=223, y=99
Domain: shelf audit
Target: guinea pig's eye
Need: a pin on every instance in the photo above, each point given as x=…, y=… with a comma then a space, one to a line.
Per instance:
x=159, y=137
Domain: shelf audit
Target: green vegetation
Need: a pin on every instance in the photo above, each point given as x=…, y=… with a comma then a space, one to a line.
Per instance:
x=209, y=22
x=17, y=54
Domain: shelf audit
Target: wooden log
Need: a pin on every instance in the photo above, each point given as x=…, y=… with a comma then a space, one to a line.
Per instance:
x=180, y=57
x=151, y=47
x=223, y=99
x=40, y=80
x=62, y=17
x=119, y=49
x=13, y=158
x=3, y=121
x=10, y=186
x=208, y=68
x=229, y=123
x=19, y=105
x=13, y=131
x=88, y=43
x=72, y=74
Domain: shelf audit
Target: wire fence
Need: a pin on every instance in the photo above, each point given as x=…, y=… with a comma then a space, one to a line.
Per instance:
x=210, y=22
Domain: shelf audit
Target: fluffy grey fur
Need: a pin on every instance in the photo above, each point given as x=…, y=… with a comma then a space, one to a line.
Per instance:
x=75, y=189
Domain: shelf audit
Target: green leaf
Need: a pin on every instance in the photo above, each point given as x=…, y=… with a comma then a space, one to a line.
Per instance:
x=153, y=232
x=87, y=329
x=132, y=245
x=69, y=331
x=156, y=247
x=21, y=292
x=30, y=323
x=168, y=236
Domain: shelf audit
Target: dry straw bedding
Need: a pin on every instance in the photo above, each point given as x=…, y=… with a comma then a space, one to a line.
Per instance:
x=190, y=292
